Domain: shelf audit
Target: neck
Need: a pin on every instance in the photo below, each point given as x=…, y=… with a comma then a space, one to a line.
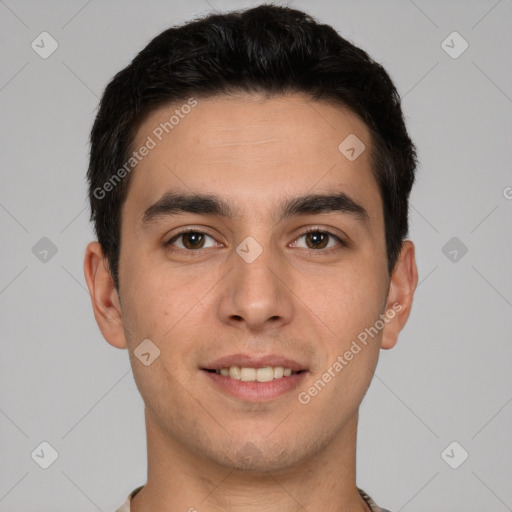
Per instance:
x=181, y=480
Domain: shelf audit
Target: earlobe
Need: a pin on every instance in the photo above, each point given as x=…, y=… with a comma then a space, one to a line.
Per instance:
x=104, y=297
x=400, y=295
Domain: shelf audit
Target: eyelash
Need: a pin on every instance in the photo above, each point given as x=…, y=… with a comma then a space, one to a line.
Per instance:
x=341, y=242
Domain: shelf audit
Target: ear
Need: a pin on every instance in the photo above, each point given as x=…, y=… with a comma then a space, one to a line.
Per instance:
x=105, y=300
x=400, y=294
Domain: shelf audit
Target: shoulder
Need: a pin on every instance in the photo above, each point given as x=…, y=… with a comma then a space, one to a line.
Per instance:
x=125, y=507
x=373, y=506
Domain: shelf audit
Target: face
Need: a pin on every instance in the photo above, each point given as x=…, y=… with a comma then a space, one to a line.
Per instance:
x=259, y=280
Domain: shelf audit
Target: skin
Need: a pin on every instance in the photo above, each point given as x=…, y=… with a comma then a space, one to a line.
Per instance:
x=293, y=300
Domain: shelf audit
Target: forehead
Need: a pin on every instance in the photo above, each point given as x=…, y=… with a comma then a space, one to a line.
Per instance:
x=252, y=150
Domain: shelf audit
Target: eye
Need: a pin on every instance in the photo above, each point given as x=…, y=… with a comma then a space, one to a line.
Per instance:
x=191, y=240
x=316, y=239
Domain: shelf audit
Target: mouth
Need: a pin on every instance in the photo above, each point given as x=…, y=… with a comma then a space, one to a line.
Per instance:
x=255, y=379
x=248, y=374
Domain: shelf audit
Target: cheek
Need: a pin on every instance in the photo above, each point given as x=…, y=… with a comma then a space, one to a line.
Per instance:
x=347, y=299
x=155, y=313
x=149, y=294
x=165, y=306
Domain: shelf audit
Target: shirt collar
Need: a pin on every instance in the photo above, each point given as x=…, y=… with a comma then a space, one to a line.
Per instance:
x=125, y=507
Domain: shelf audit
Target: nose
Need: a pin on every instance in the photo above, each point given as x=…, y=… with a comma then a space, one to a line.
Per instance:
x=257, y=294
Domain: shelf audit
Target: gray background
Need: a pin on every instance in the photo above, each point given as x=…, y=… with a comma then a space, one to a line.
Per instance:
x=449, y=377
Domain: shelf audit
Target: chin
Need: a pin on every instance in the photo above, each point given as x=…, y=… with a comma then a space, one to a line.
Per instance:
x=260, y=456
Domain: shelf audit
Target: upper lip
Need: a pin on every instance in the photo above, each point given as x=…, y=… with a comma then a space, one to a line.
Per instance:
x=253, y=361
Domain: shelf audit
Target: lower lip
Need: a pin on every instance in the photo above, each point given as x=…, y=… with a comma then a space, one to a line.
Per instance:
x=256, y=391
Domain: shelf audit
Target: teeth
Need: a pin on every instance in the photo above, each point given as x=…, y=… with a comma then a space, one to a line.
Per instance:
x=248, y=374
x=255, y=374
x=265, y=374
x=234, y=373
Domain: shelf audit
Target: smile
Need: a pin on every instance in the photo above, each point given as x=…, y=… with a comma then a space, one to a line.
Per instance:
x=248, y=374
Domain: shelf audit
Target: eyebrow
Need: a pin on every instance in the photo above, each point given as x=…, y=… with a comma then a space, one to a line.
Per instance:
x=206, y=204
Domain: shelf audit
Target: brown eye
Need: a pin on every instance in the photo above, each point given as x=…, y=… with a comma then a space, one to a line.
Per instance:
x=191, y=240
x=316, y=240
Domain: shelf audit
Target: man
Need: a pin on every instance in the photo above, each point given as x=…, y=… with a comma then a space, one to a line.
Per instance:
x=249, y=180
